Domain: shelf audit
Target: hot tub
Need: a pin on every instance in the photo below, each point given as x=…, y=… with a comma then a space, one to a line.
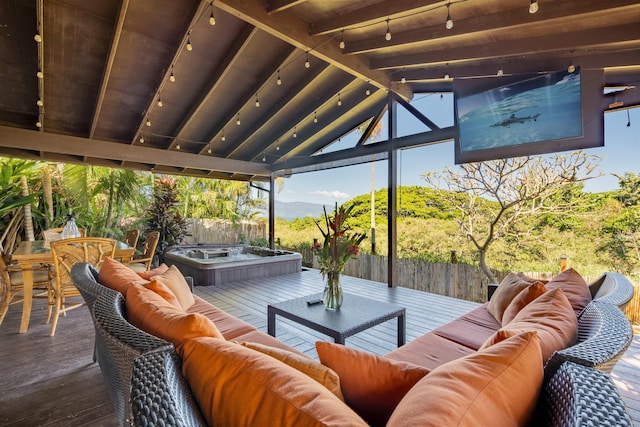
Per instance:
x=211, y=265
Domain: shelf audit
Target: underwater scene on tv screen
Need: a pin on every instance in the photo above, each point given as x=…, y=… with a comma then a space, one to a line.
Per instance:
x=541, y=109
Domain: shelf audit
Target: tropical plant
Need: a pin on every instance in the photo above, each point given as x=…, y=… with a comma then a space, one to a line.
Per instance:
x=163, y=215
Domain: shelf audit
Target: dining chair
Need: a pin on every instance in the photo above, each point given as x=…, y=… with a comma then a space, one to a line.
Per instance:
x=143, y=262
x=131, y=238
x=12, y=284
x=66, y=253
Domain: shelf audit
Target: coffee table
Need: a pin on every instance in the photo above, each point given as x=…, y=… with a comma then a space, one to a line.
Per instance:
x=356, y=315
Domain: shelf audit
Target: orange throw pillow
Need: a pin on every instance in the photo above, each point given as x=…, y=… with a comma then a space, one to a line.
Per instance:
x=510, y=286
x=161, y=269
x=498, y=386
x=521, y=300
x=551, y=317
x=150, y=312
x=372, y=385
x=574, y=287
x=117, y=276
x=237, y=386
x=312, y=368
x=174, y=280
x=163, y=291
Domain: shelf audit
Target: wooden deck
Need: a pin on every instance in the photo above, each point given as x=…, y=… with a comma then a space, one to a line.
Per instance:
x=52, y=381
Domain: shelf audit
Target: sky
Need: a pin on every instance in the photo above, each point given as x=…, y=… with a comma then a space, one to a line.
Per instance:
x=620, y=154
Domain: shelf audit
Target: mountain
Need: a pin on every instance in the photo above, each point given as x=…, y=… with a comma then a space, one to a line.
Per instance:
x=293, y=210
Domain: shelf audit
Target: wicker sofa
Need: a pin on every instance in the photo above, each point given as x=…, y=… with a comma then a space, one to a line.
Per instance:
x=147, y=386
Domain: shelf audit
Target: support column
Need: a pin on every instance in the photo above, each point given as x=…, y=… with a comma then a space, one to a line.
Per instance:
x=272, y=211
x=392, y=208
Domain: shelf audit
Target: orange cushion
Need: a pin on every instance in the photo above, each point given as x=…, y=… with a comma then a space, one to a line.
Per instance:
x=574, y=287
x=530, y=293
x=551, y=316
x=161, y=269
x=325, y=376
x=372, y=385
x=150, y=312
x=230, y=326
x=430, y=351
x=174, y=280
x=117, y=276
x=498, y=386
x=237, y=386
x=160, y=289
x=506, y=291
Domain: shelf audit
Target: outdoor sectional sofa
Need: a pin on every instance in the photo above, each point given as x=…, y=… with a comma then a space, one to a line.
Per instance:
x=217, y=379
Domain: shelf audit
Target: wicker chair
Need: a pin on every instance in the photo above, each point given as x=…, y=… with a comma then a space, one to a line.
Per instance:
x=11, y=284
x=66, y=253
x=131, y=238
x=143, y=262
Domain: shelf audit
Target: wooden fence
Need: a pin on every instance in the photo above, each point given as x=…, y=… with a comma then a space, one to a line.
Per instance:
x=223, y=231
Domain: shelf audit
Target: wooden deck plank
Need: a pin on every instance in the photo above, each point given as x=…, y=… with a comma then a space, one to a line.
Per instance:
x=51, y=381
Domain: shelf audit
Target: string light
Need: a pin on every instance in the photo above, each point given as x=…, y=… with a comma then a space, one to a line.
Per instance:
x=148, y=123
x=257, y=101
x=277, y=147
x=178, y=146
x=387, y=35
x=222, y=138
x=339, y=99
x=571, y=67
x=367, y=92
x=39, y=124
x=238, y=120
x=172, y=77
x=264, y=158
x=39, y=103
x=279, y=80
x=403, y=80
x=315, y=117
x=342, y=44
x=500, y=72
x=295, y=132
x=189, y=47
x=212, y=19
x=40, y=74
x=37, y=38
x=307, y=64
x=533, y=6
x=141, y=139
x=209, y=149
x=449, y=23
x=160, y=104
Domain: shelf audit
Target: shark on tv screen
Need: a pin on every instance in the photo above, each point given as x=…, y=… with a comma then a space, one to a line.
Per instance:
x=519, y=118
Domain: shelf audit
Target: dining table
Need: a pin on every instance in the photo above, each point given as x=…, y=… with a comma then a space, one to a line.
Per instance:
x=29, y=253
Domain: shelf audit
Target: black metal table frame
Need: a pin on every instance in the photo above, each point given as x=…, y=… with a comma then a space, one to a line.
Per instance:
x=339, y=334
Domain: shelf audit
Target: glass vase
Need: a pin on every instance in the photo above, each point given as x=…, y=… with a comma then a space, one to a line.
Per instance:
x=332, y=297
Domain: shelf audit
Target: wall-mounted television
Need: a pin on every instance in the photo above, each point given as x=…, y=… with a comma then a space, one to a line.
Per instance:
x=525, y=115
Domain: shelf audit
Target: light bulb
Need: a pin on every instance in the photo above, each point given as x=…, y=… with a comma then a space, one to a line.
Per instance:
x=533, y=7
x=278, y=80
x=367, y=92
x=342, y=44
x=500, y=73
x=277, y=148
x=172, y=78
x=39, y=103
x=212, y=19
x=387, y=35
x=446, y=76
x=40, y=74
x=38, y=124
x=148, y=123
x=307, y=64
x=257, y=102
x=222, y=138
x=571, y=68
x=178, y=146
x=238, y=120
x=295, y=133
x=264, y=158
x=141, y=139
x=37, y=37
x=189, y=47
x=449, y=23
x=339, y=100
x=403, y=79
x=160, y=102
x=209, y=150
x=315, y=117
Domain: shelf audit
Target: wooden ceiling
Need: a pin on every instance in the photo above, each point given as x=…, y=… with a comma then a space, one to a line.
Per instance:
x=108, y=69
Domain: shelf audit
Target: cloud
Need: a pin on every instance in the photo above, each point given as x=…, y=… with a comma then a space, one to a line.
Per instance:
x=332, y=194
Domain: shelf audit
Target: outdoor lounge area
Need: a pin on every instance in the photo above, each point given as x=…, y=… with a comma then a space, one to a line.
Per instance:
x=69, y=389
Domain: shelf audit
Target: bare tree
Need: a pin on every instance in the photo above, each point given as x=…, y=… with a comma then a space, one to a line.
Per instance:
x=494, y=196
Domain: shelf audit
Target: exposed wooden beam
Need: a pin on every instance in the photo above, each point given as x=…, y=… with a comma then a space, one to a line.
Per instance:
x=371, y=15
x=106, y=74
x=513, y=20
x=578, y=41
x=287, y=27
x=75, y=146
x=274, y=6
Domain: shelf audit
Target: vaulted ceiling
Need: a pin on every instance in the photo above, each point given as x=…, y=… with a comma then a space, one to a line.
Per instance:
x=153, y=85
